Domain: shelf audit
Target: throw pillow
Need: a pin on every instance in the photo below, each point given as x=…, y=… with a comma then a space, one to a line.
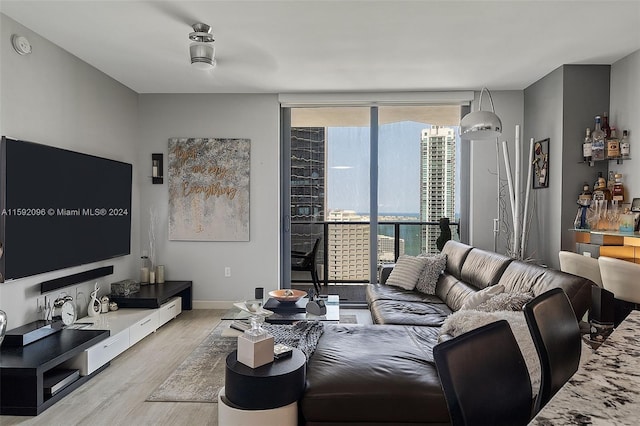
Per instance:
x=431, y=272
x=505, y=302
x=479, y=297
x=406, y=272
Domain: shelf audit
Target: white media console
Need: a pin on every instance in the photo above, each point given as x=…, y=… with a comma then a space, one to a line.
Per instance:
x=127, y=326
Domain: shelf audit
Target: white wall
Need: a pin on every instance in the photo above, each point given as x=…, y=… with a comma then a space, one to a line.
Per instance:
x=53, y=98
x=254, y=263
x=483, y=180
x=625, y=114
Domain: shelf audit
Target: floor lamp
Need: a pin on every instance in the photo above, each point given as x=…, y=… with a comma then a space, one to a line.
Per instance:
x=486, y=125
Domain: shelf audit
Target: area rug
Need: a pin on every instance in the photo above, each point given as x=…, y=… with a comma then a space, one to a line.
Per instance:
x=201, y=375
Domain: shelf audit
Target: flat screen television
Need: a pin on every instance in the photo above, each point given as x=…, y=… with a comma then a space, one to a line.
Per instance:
x=60, y=208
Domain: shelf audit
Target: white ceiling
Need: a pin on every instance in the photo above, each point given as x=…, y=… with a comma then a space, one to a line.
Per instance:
x=333, y=46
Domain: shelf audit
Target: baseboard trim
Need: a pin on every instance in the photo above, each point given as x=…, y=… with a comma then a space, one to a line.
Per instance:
x=212, y=304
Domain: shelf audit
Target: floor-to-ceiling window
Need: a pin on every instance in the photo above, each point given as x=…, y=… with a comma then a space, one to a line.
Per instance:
x=329, y=186
x=370, y=182
x=419, y=180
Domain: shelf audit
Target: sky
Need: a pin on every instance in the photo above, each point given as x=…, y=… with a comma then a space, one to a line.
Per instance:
x=398, y=169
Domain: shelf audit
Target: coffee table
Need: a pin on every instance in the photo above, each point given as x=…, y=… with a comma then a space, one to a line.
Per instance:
x=333, y=314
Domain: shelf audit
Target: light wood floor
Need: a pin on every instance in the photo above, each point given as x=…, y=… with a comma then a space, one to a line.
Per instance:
x=116, y=396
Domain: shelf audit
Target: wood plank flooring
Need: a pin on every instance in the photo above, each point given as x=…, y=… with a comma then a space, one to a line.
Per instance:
x=116, y=396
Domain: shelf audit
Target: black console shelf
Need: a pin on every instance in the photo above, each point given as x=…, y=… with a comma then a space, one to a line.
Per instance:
x=154, y=295
x=22, y=370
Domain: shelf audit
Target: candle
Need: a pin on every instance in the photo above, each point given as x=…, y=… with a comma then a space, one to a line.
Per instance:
x=160, y=274
x=144, y=275
x=152, y=277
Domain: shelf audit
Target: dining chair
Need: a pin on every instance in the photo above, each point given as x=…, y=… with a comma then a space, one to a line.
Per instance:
x=306, y=261
x=621, y=278
x=582, y=266
x=556, y=336
x=484, y=377
x=601, y=309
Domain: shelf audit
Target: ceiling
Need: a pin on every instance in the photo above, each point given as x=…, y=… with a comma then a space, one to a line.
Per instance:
x=335, y=46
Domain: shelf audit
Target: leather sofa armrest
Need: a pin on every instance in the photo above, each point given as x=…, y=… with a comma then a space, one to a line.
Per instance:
x=385, y=271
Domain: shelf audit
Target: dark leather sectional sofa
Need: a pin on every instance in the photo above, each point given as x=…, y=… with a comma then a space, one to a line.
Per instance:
x=384, y=374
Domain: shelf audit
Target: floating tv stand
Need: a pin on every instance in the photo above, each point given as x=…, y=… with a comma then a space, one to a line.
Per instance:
x=25, y=370
x=36, y=376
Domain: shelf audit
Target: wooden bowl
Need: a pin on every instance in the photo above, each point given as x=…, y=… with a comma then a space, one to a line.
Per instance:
x=287, y=295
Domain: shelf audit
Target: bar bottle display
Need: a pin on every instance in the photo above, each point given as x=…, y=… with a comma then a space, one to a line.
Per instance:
x=625, y=149
x=586, y=146
x=613, y=145
x=599, y=137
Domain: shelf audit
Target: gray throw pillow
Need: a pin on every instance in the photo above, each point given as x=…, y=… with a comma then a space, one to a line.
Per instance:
x=505, y=302
x=406, y=272
x=431, y=272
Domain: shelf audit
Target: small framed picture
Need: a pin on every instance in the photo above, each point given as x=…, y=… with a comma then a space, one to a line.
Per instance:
x=540, y=169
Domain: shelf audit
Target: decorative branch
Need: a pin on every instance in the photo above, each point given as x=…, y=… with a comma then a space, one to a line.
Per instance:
x=153, y=219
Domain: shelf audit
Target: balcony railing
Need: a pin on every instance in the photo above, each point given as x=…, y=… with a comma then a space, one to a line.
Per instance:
x=344, y=252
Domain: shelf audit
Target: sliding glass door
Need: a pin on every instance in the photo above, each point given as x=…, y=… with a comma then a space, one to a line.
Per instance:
x=369, y=183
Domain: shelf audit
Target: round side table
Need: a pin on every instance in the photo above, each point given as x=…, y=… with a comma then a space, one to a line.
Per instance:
x=266, y=395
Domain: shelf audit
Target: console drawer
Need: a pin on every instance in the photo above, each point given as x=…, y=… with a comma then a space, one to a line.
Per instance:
x=143, y=328
x=169, y=311
x=98, y=355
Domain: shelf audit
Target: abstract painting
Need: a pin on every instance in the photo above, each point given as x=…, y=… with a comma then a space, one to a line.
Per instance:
x=209, y=189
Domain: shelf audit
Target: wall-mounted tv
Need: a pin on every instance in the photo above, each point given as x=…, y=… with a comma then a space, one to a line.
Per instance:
x=60, y=208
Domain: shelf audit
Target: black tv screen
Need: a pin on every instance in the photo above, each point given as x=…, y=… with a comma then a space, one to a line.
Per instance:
x=60, y=208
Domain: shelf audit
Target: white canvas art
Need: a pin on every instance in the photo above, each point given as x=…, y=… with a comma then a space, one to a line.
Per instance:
x=209, y=189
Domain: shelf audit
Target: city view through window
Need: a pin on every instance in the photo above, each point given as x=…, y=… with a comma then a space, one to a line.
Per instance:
x=417, y=183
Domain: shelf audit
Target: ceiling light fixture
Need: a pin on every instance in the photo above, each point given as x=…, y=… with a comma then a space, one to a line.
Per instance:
x=480, y=125
x=203, y=54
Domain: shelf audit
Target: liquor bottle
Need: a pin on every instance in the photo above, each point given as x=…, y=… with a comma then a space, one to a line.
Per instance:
x=605, y=125
x=613, y=145
x=611, y=180
x=618, y=189
x=600, y=183
x=584, y=199
x=586, y=146
x=625, y=149
x=598, y=136
x=600, y=190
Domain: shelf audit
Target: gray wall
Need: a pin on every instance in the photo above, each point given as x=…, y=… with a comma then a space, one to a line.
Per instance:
x=483, y=190
x=625, y=114
x=254, y=263
x=53, y=98
x=543, y=112
x=560, y=106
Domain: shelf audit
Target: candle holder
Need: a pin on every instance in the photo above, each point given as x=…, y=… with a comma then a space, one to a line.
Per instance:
x=157, y=169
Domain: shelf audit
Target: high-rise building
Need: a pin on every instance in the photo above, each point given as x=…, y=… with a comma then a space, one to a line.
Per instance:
x=307, y=187
x=348, y=247
x=386, y=249
x=437, y=181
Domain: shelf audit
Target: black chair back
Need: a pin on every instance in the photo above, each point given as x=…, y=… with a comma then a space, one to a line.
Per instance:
x=556, y=335
x=484, y=377
x=306, y=261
